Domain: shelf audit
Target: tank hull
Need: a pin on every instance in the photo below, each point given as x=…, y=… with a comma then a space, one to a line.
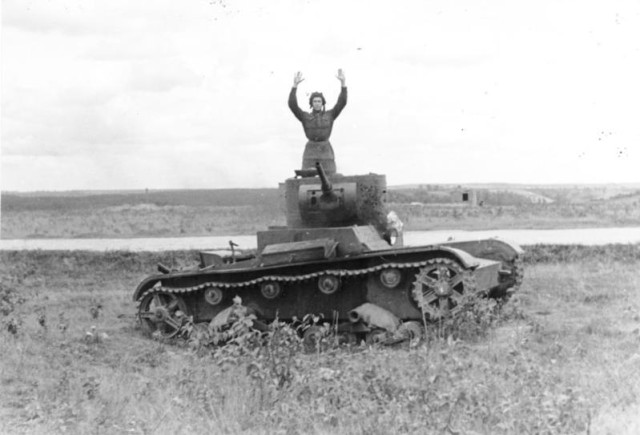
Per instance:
x=359, y=278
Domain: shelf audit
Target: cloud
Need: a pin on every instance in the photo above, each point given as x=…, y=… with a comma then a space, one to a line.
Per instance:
x=131, y=87
x=416, y=58
x=161, y=75
x=119, y=48
x=79, y=18
x=81, y=131
x=74, y=18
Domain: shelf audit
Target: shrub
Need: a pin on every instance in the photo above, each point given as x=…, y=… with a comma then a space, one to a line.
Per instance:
x=472, y=321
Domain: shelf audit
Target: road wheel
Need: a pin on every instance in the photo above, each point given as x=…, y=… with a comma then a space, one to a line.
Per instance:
x=328, y=284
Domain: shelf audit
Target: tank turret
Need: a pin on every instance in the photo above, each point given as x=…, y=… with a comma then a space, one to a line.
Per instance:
x=322, y=201
x=350, y=209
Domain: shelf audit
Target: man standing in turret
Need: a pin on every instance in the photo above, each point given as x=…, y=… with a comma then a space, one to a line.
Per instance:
x=317, y=124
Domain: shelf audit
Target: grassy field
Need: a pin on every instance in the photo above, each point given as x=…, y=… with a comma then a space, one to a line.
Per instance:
x=523, y=216
x=145, y=220
x=245, y=211
x=150, y=220
x=561, y=357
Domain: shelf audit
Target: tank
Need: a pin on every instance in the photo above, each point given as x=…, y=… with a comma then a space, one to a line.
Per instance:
x=340, y=256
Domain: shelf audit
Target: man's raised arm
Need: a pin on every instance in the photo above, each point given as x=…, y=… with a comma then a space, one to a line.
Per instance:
x=342, y=98
x=293, y=99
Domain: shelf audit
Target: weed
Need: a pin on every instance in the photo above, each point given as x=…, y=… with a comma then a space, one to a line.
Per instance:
x=13, y=325
x=94, y=337
x=91, y=386
x=63, y=323
x=95, y=309
x=10, y=299
x=474, y=317
x=41, y=318
x=511, y=310
x=153, y=358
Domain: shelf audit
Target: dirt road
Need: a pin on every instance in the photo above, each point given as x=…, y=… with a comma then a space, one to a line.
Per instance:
x=582, y=236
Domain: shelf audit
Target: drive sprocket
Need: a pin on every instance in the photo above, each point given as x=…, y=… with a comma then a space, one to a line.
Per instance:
x=440, y=288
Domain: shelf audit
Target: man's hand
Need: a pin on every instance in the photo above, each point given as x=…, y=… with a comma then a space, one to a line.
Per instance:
x=340, y=76
x=297, y=79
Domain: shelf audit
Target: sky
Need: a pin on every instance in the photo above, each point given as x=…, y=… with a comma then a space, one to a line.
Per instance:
x=159, y=94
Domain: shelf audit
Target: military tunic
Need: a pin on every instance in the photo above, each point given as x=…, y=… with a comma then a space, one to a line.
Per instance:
x=317, y=126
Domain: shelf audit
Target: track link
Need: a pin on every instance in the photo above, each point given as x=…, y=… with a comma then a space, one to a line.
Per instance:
x=287, y=278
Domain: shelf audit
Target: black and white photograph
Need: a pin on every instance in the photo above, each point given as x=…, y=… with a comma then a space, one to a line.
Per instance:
x=319, y=217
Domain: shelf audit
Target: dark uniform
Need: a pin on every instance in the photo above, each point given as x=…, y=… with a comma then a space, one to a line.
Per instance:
x=317, y=127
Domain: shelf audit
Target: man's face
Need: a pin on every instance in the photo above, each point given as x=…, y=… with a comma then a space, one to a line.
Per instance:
x=316, y=103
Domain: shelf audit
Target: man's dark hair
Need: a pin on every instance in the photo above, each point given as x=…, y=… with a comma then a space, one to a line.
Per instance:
x=314, y=95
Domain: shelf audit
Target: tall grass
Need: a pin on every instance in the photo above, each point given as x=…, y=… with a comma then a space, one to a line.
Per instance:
x=561, y=357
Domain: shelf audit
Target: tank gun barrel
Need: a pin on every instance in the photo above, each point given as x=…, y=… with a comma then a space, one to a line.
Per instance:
x=327, y=188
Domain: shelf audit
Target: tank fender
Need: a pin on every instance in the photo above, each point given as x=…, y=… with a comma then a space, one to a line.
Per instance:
x=373, y=315
x=467, y=260
x=145, y=285
x=493, y=249
x=508, y=244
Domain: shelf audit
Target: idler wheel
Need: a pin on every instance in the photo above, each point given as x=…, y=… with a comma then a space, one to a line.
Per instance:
x=440, y=287
x=213, y=295
x=514, y=277
x=271, y=290
x=328, y=284
x=390, y=278
x=162, y=313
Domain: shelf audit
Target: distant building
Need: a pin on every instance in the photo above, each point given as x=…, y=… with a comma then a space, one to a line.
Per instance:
x=469, y=197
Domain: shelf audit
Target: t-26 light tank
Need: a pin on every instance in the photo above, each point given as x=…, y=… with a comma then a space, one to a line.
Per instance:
x=341, y=256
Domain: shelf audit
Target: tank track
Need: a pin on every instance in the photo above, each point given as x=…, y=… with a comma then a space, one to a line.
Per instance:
x=518, y=272
x=288, y=278
x=518, y=264
x=469, y=282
